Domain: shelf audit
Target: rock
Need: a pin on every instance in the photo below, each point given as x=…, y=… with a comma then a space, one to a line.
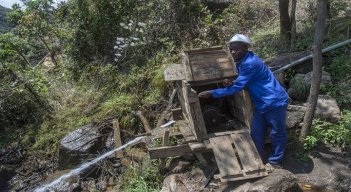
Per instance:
x=79, y=145
x=327, y=109
x=279, y=180
x=300, y=85
x=294, y=116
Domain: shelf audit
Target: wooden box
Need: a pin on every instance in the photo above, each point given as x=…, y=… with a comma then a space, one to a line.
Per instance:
x=208, y=64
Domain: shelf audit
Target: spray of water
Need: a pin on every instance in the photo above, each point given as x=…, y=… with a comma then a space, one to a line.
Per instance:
x=88, y=164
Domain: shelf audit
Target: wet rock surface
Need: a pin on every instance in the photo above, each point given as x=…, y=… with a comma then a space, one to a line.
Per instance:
x=83, y=144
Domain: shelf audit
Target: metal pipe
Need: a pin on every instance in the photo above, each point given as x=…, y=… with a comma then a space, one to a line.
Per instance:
x=311, y=56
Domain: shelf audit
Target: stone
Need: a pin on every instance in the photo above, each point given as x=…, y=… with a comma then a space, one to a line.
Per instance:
x=79, y=146
x=294, y=116
x=300, y=85
x=327, y=109
x=280, y=180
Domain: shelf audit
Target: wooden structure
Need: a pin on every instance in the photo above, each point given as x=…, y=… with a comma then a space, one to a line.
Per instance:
x=215, y=126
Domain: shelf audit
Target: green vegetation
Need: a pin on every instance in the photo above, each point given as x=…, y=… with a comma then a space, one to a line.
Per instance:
x=104, y=59
x=142, y=178
x=336, y=134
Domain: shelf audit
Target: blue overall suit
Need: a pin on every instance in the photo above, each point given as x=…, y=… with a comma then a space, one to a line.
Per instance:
x=270, y=101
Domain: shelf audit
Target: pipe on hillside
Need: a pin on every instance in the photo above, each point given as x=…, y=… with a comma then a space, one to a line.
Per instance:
x=311, y=56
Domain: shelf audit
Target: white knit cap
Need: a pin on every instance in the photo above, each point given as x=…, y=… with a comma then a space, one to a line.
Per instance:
x=240, y=38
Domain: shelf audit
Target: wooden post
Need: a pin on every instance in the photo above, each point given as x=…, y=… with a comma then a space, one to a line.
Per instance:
x=165, y=142
x=117, y=137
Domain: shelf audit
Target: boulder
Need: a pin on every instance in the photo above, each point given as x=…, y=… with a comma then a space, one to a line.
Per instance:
x=279, y=180
x=80, y=145
x=327, y=109
x=300, y=85
x=294, y=116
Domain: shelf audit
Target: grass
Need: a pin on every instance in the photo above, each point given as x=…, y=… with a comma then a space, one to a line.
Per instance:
x=142, y=178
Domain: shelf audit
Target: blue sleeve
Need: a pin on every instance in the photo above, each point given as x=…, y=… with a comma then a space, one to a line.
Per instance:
x=246, y=74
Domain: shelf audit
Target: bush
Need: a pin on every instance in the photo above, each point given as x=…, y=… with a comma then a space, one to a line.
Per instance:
x=338, y=134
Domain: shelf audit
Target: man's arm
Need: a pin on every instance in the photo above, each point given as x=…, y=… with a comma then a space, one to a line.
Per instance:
x=245, y=76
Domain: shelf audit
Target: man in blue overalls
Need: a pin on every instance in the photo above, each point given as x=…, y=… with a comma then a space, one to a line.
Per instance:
x=269, y=98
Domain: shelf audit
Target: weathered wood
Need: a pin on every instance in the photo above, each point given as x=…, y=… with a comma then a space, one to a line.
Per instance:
x=174, y=72
x=248, y=155
x=186, y=66
x=240, y=107
x=234, y=178
x=169, y=151
x=207, y=64
x=226, y=133
x=117, y=137
x=144, y=121
x=165, y=142
x=193, y=111
x=199, y=147
x=185, y=130
x=166, y=113
x=227, y=162
x=204, y=49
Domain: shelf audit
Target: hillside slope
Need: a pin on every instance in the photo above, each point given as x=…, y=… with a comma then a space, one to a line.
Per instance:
x=4, y=26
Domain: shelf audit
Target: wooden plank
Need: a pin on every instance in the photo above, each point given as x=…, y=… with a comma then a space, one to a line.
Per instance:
x=117, y=137
x=165, y=139
x=227, y=162
x=165, y=142
x=185, y=130
x=193, y=111
x=248, y=109
x=226, y=133
x=198, y=118
x=204, y=49
x=199, y=147
x=207, y=64
x=230, y=179
x=248, y=155
x=169, y=151
x=186, y=67
x=174, y=72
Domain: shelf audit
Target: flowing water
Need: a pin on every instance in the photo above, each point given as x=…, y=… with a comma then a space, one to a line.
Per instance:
x=86, y=165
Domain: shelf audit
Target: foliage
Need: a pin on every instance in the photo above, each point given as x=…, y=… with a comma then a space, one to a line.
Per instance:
x=245, y=17
x=339, y=69
x=336, y=134
x=18, y=106
x=140, y=178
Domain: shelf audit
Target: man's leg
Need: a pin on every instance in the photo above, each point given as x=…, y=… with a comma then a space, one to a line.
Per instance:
x=277, y=121
x=258, y=131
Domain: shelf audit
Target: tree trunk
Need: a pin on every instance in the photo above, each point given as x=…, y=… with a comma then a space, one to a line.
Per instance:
x=31, y=90
x=52, y=55
x=23, y=57
x=293, y=24
x=317, y=68
x=285, y=23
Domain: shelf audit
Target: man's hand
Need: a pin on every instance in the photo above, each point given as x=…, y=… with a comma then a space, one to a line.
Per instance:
x=227, y=82
x=205, y=94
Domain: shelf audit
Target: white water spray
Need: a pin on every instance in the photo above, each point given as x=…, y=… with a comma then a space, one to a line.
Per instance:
x=88, y=164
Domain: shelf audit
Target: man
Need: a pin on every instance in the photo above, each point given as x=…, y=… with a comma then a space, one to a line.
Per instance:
x=269, y=98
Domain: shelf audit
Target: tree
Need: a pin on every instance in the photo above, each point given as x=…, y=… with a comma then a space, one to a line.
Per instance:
x=11, y=44
x=285, y=22
x=317, y=68
x=293, y=24
x=37, y=22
